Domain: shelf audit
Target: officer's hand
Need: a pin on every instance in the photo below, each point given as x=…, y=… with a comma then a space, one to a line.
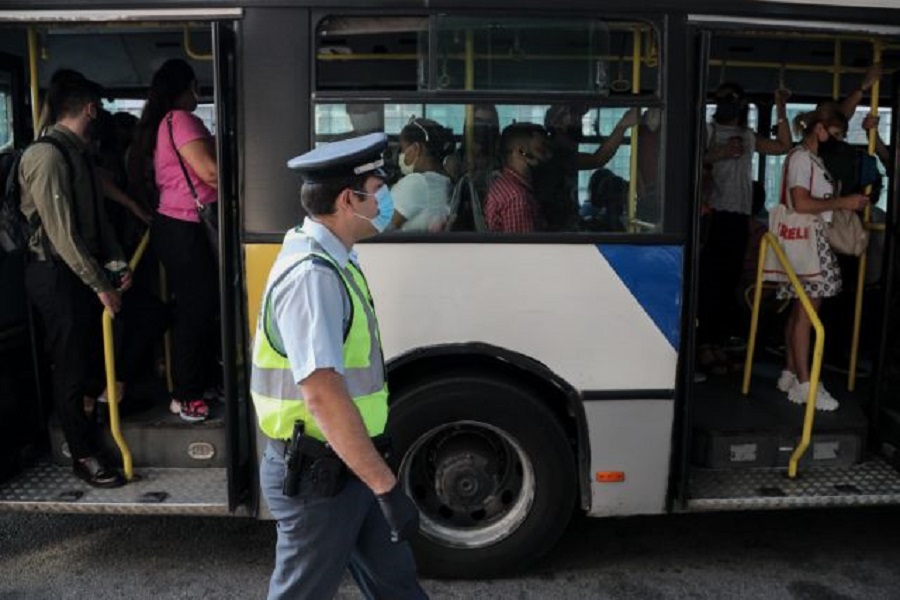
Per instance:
x=400, y=513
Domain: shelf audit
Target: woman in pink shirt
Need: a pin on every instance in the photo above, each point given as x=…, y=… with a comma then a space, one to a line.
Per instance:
x=183, y=148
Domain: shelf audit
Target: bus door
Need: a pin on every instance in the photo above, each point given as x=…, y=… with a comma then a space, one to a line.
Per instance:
x=887, y=418
x=239, y=430
x=20, y=413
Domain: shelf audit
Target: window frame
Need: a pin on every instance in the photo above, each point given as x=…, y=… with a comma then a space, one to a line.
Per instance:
x=668, y=234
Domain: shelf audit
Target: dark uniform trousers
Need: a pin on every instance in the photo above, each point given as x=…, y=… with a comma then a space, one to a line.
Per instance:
x=318, y=538
x=71, y=313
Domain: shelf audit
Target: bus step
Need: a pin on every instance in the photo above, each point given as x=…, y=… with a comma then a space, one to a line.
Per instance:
x=872, y=482
x=160, y=439
x=753, y=450
x=48, y=487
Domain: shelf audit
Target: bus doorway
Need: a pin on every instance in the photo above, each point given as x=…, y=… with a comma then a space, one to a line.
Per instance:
x=754, y=441
x=178, y=467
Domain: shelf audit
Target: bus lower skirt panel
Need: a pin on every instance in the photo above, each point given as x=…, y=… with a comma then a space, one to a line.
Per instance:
x=51, y=488
x=873, y=482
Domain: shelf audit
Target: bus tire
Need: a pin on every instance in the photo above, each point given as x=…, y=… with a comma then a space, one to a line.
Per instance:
x=491, y=470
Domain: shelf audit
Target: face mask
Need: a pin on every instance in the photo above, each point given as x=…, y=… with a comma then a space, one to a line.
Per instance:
x=385, y=208
x=728, y=110
x=406, y=169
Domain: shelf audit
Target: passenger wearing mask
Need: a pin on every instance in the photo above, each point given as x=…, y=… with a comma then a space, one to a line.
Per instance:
x=65, y=277
x=808, y=186
x=729, y=156
x=556, y=180
x=510, y=205
x=184, y=164
x=421, y=197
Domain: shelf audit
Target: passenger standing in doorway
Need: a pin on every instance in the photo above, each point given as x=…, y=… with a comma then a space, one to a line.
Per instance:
x=729, y=154
x=320, y=393
x=810, y=189
x=182, y=147
x=72, y=238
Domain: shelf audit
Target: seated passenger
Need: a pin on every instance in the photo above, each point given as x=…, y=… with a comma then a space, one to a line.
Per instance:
x=422, y=196
x=510, y=205
x=556, y=181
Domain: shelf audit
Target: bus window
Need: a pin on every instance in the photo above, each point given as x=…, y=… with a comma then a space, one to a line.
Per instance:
x=579, y=178
x=6, y=125
x=527, y=54
x=360, y=53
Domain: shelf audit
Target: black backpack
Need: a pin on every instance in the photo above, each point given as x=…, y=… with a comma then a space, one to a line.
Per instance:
x=15, y=229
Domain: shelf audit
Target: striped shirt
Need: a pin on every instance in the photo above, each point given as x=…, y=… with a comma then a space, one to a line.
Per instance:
x=510, y=205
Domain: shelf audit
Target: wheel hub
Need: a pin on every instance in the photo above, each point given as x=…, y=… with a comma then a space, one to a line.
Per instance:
x=465, y=481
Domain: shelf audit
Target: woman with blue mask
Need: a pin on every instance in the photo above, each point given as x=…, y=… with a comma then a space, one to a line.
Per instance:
x=422, y=196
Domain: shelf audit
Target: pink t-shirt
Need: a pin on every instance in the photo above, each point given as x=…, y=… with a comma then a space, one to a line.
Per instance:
x=175, y=198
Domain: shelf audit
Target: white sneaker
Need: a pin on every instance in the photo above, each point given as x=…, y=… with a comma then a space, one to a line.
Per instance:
x=786, y=381
x=799, y=393
x=824, y=401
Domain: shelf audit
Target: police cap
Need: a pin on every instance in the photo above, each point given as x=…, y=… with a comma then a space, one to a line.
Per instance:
x=345, y=158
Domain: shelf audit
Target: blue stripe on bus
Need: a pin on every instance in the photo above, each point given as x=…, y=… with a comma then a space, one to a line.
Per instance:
x=653, y=276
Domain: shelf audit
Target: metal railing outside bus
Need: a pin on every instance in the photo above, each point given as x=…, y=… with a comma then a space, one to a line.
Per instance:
x=770, y=241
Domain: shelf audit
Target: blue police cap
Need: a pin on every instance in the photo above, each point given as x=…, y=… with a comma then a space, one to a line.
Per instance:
x=345, y=158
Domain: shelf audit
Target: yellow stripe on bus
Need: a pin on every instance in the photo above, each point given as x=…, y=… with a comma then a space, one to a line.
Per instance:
x=259, y=259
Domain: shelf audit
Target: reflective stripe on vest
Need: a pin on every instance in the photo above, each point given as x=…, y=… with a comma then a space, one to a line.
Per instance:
x=276, y=396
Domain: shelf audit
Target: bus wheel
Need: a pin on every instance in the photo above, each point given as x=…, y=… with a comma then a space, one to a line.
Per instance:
x=490, y=469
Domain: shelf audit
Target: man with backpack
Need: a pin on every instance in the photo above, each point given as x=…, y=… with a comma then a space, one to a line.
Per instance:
x=70, y=241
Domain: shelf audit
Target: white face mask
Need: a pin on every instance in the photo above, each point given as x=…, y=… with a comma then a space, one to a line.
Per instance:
x=405, y=168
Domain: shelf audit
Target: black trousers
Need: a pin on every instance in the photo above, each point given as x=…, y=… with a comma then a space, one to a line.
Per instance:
x=721, y=264
x=71, y=313
x=193, y=282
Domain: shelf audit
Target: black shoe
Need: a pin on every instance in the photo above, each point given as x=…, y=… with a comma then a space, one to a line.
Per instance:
x=97, y=474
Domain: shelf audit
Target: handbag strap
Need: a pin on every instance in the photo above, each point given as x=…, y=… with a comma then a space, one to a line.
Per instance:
x=184, y=170
x=785, y=197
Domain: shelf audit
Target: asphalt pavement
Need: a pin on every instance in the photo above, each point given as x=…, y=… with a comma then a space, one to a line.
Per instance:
x=809, y=555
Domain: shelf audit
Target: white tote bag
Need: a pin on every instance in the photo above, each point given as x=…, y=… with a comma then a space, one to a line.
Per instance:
x=797, y=235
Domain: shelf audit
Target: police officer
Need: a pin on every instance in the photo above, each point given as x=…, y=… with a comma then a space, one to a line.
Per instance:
x=318, y=386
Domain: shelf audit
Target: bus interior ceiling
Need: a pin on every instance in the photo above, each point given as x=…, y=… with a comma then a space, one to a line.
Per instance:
x=180, y=467
x=740, y=445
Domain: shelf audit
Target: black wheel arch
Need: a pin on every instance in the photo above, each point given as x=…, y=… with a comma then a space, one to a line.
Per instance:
x=559, y=396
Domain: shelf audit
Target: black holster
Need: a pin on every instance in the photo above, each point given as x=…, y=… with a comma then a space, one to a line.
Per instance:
x=312, y=469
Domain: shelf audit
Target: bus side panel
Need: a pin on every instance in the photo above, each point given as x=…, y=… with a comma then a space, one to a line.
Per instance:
x=633, y=437
x=603, y=318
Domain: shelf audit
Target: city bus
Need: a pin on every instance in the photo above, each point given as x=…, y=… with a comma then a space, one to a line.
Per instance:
x=532, y=375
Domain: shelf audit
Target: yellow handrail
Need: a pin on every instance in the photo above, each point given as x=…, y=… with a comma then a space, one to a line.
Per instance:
x=635, y=89
x=33, y=81
x=109, y=356
x=867, y=218
x=769, y=240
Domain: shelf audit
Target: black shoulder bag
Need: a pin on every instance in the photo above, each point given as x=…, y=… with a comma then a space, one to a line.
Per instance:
x=208, y=213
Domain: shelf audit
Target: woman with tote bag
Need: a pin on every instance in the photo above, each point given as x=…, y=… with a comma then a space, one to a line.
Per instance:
x=807, y=192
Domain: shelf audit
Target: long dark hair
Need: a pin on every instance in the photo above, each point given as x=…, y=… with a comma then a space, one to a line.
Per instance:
x=169, y=82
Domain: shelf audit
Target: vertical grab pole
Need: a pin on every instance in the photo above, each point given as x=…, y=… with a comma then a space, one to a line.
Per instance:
x=838, y=64
x=636, y=90
x=877, y=48
x=470, y=109
x=33, y=79
x=754, y=318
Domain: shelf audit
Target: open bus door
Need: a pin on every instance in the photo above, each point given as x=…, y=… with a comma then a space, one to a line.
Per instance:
x=21, y=420
x=239, y=430
x=887, y=417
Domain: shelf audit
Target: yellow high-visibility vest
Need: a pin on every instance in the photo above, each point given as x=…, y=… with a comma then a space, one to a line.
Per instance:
x=276, y=396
